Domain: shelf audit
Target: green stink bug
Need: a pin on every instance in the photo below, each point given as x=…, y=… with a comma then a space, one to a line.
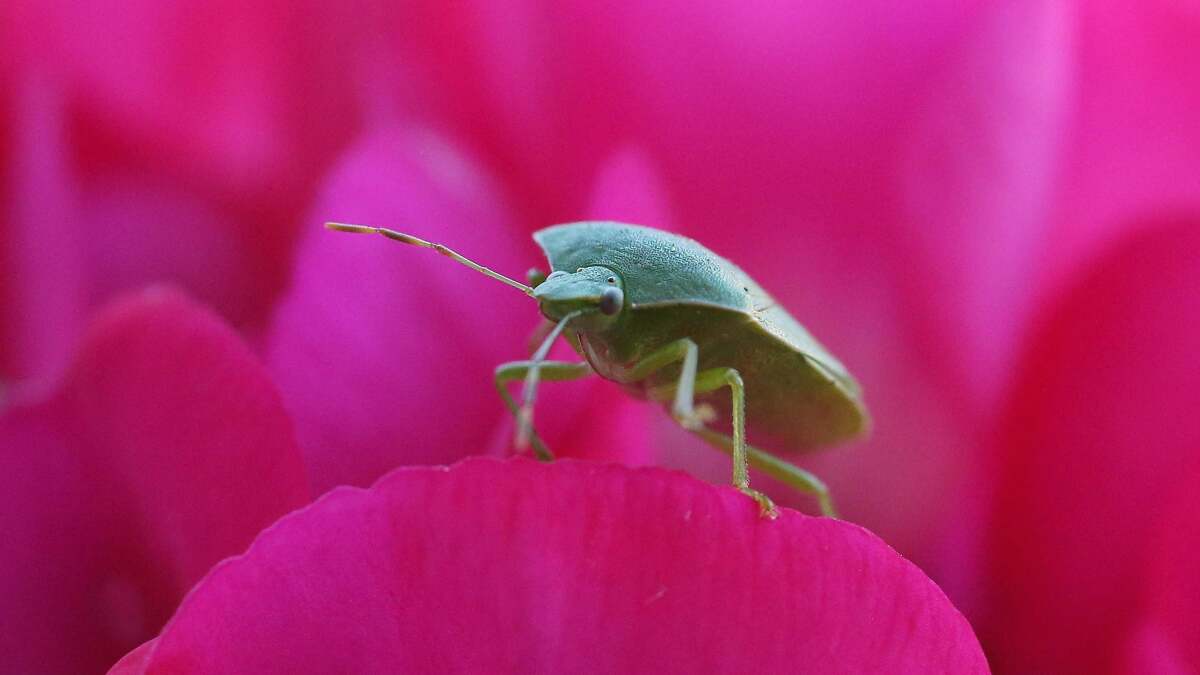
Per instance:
x=670, y=320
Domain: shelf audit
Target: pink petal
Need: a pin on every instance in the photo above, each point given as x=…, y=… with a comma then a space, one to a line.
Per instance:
x=166, y=450
x=977, y=177
x=571, y=567
x=762, y=129
x=76, y=234
x=1134, y=146
x=192, y=135
x=385, y=352
x=41, y=257
x=246, y=96
x=135, y=661
x=1149, y=650
x=220, y=438
x=1168, y=638
x=1100, y=427
x=629, y=188
x=52, y=592
x=142, y=230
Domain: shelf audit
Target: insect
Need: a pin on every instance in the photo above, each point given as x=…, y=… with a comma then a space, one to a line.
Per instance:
x=671, y=321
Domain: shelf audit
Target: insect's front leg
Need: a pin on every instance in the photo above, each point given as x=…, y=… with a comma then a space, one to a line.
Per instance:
x=552, y=371
x=538, y=335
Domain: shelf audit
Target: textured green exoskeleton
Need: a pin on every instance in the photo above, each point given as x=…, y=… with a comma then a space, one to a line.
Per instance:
x=671, y=321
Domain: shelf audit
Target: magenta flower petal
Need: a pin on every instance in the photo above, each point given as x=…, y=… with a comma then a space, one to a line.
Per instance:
x=52, y=592
x=144, y=231
x=759, y=127
x=976, y=177
x=1134, y=147
x=1168, y=637
x=135, y=661
x=628, y=188
x=76, y=235
x=385, y=352
x=218, y=441
x=166, y=449
x=164, y=144
x=247, y=96
x=572, y=567
x=1099, y=431
x=42, y=280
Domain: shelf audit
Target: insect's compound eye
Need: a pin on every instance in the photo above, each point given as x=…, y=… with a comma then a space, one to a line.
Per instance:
x=612, y=280
x=611, y=300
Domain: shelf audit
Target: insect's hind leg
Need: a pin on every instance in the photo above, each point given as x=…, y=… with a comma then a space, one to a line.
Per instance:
x=551, y=371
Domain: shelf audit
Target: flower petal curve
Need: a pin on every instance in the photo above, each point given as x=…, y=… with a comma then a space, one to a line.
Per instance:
x=166, y=449
x=1099, y=428
x=1168, y=637
x=518, y=566
x=384, y=352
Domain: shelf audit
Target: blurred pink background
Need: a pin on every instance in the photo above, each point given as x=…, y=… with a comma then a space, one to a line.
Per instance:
x=990, y=211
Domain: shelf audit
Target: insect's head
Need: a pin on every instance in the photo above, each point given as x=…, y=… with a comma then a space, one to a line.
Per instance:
x=597, y=291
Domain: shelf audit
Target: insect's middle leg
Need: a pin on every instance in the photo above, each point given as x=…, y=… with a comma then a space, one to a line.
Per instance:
x=712, y=380
x=683, y=408
x=779, y=469
x=551, y=371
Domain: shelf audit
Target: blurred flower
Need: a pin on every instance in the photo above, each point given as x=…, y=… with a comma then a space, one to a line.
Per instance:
x=160, y=142
x=1098, y=437
x=1164, y=638
x=962, y=200
x=164, y=450
x=573, y=567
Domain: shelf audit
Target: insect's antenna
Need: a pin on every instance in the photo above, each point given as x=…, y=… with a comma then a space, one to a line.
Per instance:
x=409, y=239
x=525, y=416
